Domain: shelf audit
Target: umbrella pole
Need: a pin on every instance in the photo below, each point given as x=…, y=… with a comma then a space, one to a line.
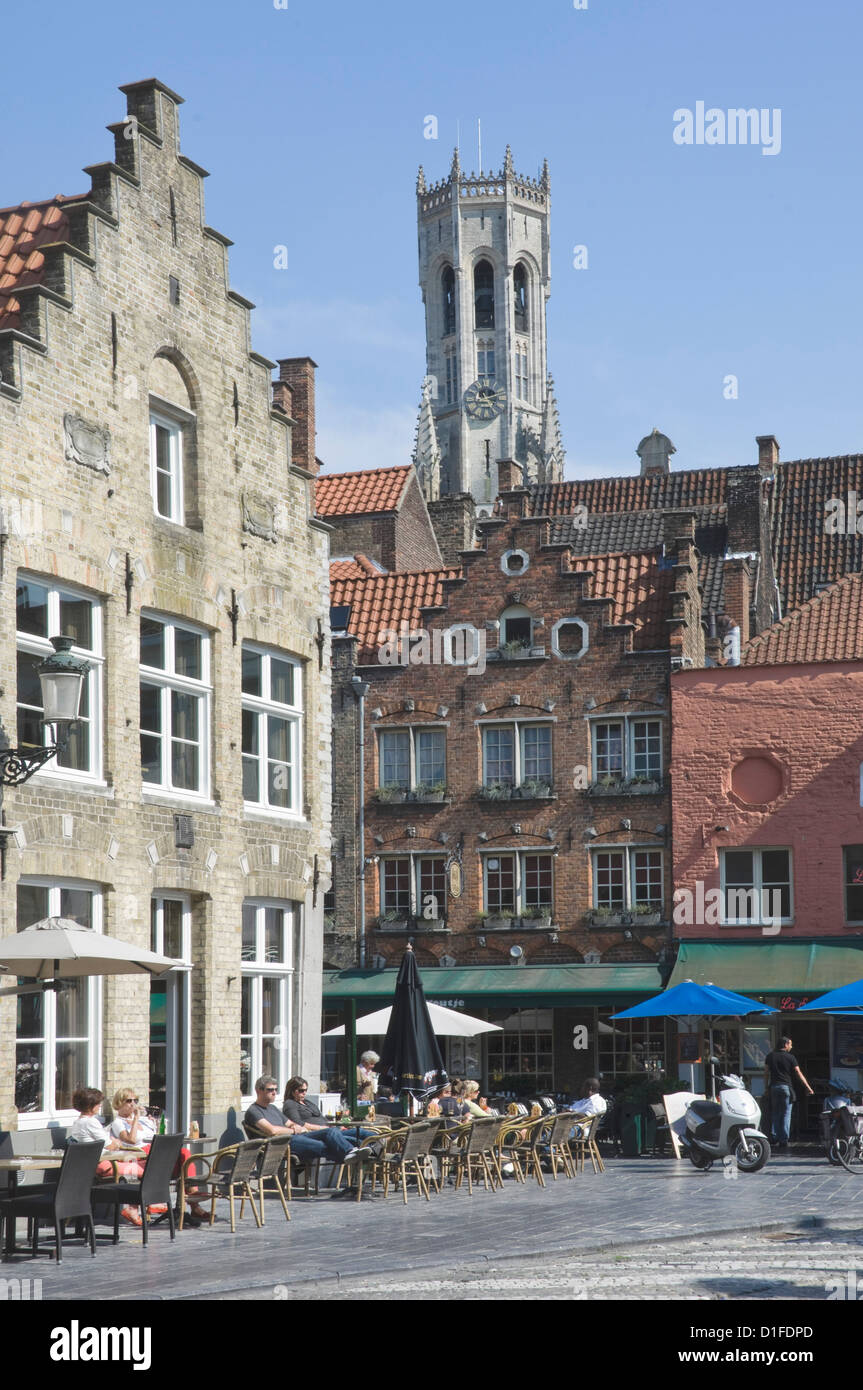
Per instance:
x=351, y=1040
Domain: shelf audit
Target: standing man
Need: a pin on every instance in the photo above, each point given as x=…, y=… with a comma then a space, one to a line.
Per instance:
x=780, y=1068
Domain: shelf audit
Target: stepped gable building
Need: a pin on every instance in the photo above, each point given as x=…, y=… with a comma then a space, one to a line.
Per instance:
x=512, y=719
x=767, y=805
x=485, y=274
x=156, y=497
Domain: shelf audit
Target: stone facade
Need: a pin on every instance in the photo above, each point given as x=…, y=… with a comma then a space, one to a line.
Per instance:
x=136, y=310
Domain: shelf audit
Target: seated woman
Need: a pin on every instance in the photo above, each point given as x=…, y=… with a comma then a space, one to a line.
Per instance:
x=132, y=1126
x=88, y=1128
x=471, y=1097
x=301, y=1111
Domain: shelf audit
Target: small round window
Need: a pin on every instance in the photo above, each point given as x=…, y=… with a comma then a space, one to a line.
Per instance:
x=514, y=561
x=569, y=639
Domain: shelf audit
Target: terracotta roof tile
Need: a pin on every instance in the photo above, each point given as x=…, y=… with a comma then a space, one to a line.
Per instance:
x=695, y=487
x=361, y=493
x=640, y=586
x=805, y=554
x=385, y=601
x=355, y=567
x=23, y=231
x=827, y=628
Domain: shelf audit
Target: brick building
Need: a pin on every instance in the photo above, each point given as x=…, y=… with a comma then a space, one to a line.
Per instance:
x=157, y=509
x=767, y=805
x=516, y=811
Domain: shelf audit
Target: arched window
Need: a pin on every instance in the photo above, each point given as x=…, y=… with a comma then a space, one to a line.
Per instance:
x=519, y=282
x=448, y=288
x=483, y=295
x=516, y=627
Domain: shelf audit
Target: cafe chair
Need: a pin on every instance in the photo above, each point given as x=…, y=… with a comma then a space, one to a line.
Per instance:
x=586, y=1145
x=555, y=1144
x=230, y=1171
x=276, y=1155
x=153, y=1189
x=519, y=1144
x=69, y=1200
x=296, y=1167
x=412, y=1159
x=475, y=1155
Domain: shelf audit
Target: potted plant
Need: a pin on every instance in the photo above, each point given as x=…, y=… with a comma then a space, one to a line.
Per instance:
x=392, y=917
x=513, y=651
x=537, y=917
x=648, y=914
x=602, y=916
x=431, y=791
x=498, y=922
x=494, y=791
x=534, y=789
x=390, y=796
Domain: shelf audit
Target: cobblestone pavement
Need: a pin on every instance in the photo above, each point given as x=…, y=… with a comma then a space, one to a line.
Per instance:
x=329, y=1241
x=804, y=1264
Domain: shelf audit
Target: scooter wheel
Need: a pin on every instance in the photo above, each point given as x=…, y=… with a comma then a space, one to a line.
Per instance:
x=750, y=1159
x=700, y=1160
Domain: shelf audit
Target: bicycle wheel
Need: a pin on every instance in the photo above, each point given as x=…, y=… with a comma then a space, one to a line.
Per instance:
x=835, y=1148
x=851, y=1155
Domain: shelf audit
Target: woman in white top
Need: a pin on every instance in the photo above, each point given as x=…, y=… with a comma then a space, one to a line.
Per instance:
x=129, y=1124
x=88, y=1128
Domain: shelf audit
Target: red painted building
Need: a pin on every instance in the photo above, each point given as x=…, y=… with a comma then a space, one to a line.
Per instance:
x=767, y=817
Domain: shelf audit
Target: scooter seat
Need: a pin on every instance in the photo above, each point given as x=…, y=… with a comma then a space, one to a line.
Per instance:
x=706, y=1109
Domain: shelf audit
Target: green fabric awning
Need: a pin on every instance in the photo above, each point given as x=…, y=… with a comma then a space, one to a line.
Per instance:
x=750, y=967
x=525, y=985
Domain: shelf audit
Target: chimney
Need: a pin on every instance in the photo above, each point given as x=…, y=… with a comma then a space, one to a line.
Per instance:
x=509, y=475
x=299, y=373
x=283, y=398
x=654, y=451
x=768, y=452
x=737, y=579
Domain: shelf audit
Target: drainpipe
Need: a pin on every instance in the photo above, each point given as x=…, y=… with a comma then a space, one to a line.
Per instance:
x=361, y=690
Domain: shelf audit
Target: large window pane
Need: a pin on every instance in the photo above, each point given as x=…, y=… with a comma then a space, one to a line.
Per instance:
x=395, y=750
x=537, y=754
x=431, y=756
x=76, y=620
x=188, y=659
x=499, y=745
x=152, y=643
x=29, y=1073
x=32, y=904
x=172, y=928
x=281, y=681
x=251, y=678
x=32, y=608
x=854, y=883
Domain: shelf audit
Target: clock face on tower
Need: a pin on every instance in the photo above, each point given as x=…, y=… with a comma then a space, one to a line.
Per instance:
x=484, y=400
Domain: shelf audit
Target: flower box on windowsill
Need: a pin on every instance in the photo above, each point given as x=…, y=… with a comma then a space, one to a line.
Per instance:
x=422, y=796
x=390, y=796
x=530, y=922
x=600, y=917
x=406, y=924
x=622, y=786
x=529, y=791
x=515, y=651
x=495, y=923
x=428, y=795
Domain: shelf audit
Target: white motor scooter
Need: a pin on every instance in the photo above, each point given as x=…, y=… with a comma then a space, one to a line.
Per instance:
x=731, y=1125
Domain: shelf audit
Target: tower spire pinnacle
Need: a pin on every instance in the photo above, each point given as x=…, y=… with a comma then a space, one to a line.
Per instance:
x=426, y=455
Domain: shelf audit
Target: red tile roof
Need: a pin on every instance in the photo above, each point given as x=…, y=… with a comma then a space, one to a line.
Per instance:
x=355, y=567
x=385, y=601
x=640, y=589
x=695, y=487
x=359, y=494
x=23, y=231
x=827, y=628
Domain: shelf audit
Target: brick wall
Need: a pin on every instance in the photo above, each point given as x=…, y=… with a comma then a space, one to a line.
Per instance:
x=804, y=721
x=453, y=518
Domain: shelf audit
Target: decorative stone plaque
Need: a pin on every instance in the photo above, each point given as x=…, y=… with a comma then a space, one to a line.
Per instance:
x=87, y=444
x=259, y=517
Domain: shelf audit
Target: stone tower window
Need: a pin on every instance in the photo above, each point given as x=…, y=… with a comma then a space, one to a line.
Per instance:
x=519, y=282
x=448, y=292
x=483, y=286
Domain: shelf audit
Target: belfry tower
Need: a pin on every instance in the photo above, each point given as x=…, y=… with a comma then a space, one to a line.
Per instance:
x=485, y=276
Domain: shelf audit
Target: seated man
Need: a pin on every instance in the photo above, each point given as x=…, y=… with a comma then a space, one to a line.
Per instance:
x=590, y=1103
x=300, y=1111
x=308, y=1143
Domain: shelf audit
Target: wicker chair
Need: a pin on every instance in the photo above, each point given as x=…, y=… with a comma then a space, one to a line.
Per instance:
x=411, y=1159
x=585, y=1143
x=476, y=1152
x=229, y=1171
x=520, y=1144
x=296, y=1166
x=276, y=1155
x=555, y=1144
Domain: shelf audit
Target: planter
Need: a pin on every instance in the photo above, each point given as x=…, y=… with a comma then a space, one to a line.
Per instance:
x=386, y=796
x=427, y=798
x=536, y=923
x=398, y=924
x=646, y=919
x=496, y=793
x=495, y=924
x=628, y=918
x=621, y=787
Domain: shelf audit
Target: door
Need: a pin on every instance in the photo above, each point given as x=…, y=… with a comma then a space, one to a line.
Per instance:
x=169, y=1013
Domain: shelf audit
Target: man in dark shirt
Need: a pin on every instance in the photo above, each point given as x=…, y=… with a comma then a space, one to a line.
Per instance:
x=307, y=1142
x=780, y=1068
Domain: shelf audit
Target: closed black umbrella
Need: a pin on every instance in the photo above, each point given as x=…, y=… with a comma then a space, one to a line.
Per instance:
x=410, y=1057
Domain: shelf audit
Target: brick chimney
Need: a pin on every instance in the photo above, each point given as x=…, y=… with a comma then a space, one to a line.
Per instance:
x=509, y=475
x=768, y=452
x=299, y=373
x=737, y=580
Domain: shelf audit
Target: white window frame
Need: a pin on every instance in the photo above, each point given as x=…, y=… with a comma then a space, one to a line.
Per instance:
x=160, y=419
x=628, y=741
x=630, y=902
x=41, y=646
x=519, y=726
x=756, y=851
x=285, y=972
x=38, y=1119
x=181, y=1065
x=519, y=855
x=416, y=897
x=261, y=707
x=167, y=681
x=412, y=730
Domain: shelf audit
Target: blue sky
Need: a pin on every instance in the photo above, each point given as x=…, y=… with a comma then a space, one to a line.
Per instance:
x=704, y=261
